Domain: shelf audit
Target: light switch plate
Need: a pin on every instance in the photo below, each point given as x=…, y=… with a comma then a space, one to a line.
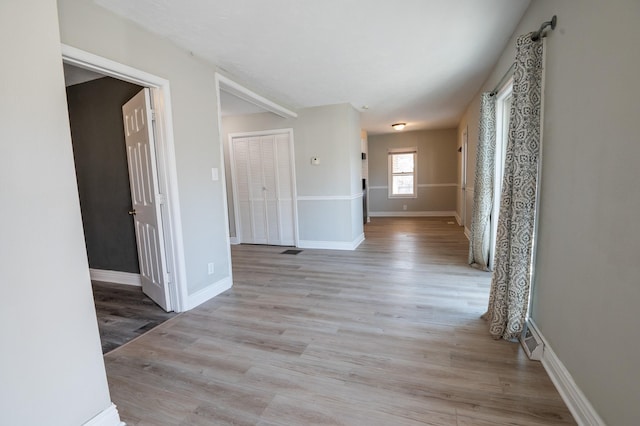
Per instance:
x=214, y=174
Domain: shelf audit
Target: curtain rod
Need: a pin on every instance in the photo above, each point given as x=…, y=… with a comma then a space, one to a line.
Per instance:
x=535, y=37
x=540, y=34
x=504, y=77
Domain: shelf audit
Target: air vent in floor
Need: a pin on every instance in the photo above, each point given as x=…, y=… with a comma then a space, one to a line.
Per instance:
x=291, y=251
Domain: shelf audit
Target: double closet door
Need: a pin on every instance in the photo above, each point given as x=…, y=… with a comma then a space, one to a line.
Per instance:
x=263, y=189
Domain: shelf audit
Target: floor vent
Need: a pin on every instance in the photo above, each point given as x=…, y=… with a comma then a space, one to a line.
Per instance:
x=291, y=252
x=531, y=342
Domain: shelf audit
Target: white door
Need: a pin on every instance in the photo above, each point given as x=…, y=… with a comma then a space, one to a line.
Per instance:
x=284, y=192
x=143, y=177
x=263, y=184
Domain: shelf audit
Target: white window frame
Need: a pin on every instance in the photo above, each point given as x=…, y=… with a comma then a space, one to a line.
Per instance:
x=502, y=136
x=390, y=153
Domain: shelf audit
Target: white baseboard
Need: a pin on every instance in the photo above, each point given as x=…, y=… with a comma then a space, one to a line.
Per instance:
x=580, y=407
x=234, y=241
x=208, y=293
x=331, y=245
x=108, y=417
x=467, y=233
x=356, y=243
x=448, y=213
x=458, y=219
x=115, y=277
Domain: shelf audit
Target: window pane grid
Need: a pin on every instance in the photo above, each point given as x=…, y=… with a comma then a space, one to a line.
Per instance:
x=402, y=163
x=402, y=174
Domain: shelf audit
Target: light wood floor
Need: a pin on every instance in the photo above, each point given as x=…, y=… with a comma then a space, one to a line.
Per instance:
x=388, y=334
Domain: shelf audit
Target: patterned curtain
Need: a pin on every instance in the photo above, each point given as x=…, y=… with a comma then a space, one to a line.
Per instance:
x=509, y=298
x=480, y=238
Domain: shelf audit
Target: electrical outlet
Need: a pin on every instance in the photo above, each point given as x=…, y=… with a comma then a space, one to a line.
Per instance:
x=211, y=268
x=404, y=207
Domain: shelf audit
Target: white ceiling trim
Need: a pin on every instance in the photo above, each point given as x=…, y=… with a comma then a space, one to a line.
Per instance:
x=236, y=89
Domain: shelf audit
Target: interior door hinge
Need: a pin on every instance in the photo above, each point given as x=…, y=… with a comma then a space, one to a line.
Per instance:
x=153, y=114
x=167, y=278
x=161, y=198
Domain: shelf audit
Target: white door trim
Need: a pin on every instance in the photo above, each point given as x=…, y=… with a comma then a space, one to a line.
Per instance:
x=234, y=189
x=464, y=145
x=165, y=151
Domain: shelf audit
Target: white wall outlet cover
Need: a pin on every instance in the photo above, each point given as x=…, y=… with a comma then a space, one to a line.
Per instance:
x=315, y=161
x=214, y=174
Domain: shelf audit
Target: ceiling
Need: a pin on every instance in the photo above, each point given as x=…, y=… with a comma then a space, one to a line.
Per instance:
x=416, y=61
x=75, y=75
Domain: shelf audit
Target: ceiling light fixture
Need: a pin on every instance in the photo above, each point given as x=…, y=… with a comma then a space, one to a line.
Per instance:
x=398, y=126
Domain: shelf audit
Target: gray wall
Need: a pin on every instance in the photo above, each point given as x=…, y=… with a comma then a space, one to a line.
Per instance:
x=331, y=133
x=437, y=171
x=95, y=114
x=587, y=292
x=194, y=102
x=51, y=362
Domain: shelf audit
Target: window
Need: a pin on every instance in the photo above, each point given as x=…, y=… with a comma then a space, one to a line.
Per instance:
x=402, y=173
x=503, y=114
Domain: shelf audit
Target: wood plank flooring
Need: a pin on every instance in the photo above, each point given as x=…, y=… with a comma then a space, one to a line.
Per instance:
x=388, y=334
x=124, y=312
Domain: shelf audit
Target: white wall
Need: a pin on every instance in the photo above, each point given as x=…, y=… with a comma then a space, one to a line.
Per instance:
x=587, y=290
x=331, y=133
x=354, y=153
x=194, y=100
x=51, y=365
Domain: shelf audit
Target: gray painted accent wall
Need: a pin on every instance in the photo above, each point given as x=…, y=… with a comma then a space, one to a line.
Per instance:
x=95, y=114
x=437, y=171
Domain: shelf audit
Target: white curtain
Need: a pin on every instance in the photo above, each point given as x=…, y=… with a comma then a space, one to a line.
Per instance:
x=509, y=298
x=480, y=235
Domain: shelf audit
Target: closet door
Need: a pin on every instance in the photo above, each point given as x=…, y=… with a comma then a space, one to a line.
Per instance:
x=264, y=189
x=257, y=208
x=284, y=175
x=270, y=189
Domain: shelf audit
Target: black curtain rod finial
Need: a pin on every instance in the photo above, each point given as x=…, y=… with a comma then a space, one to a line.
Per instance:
x=539, y=34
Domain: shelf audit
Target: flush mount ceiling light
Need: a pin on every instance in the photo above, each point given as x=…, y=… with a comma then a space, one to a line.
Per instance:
x=398, y=126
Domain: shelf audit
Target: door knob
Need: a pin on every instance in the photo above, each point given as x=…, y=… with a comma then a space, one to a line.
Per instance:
x=132, y=212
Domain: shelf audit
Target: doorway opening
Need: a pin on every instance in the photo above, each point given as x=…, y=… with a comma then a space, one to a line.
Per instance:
x=163, y=158
x=236, y=101
x=117, y=246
